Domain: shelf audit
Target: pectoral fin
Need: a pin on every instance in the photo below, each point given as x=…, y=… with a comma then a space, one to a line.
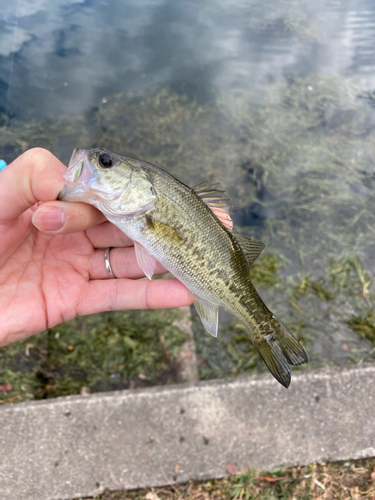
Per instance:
x=209, y=314
x=146, y=261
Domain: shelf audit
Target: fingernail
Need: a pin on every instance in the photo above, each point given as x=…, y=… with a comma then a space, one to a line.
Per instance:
x=49, y=219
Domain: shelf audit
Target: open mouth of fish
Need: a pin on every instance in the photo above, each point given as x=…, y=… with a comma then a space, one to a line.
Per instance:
x=77, y=176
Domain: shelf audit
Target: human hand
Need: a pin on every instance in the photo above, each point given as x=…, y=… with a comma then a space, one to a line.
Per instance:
x=49, y=269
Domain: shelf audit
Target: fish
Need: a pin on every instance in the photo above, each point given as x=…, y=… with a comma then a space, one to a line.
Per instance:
x=188, y=231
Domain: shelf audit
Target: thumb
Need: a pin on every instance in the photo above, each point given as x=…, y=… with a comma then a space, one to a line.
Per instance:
x=36, y=175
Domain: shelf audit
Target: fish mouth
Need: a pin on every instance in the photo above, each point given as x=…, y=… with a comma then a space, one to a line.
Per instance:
x=77, y=176
x=75, y=167
x=72, y=157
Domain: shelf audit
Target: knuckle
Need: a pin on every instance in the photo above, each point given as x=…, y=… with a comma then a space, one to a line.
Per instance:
x=121, y=261
x=149, y=296
x=80, y=216
x=113, y=296
x=37, y=157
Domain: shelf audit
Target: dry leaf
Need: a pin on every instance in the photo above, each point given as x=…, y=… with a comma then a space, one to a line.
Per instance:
x=271, y=479
x=232, y=469
x=6, y=388
x=9, y=400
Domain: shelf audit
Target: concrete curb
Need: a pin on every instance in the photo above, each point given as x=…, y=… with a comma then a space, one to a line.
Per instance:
x=79, y=445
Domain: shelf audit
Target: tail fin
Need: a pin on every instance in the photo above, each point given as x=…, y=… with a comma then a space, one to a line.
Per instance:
x=279, y=349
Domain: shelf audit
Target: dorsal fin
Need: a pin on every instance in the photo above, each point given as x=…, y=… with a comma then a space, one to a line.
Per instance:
x=223, y=217
x=251, y=248
x=215, y=200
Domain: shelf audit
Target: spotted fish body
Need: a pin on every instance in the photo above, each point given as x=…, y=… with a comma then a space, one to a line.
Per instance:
x=175, y=225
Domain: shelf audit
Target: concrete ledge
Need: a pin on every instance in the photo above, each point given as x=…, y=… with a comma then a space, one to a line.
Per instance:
x=79, y=445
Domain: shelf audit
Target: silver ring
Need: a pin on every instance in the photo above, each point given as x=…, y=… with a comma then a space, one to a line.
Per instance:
x=107, y=264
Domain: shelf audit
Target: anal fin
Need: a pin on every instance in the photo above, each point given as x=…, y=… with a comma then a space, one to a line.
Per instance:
x=209, y=314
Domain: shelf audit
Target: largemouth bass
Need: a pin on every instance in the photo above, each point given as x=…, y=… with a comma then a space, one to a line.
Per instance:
x=174, y=224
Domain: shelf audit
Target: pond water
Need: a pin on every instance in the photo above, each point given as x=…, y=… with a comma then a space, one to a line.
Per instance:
x=273, y=98
x=62, y=57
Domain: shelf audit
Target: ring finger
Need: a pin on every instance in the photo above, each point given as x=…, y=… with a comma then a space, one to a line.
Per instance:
x=123, y=263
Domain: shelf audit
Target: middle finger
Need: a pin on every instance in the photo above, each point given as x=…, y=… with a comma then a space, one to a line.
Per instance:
x=107, y=235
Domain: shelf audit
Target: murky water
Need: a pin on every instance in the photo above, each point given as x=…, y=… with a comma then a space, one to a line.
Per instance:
x=274, y=98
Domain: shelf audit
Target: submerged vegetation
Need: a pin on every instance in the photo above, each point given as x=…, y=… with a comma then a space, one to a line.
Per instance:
x=291, y=16
x=297, y=161
x=101, y=352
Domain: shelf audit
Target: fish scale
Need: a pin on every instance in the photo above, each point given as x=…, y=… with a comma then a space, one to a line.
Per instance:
x=176, y=226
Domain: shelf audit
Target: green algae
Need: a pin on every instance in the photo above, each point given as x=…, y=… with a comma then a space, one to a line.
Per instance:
x=292, y=16
x=364, y=324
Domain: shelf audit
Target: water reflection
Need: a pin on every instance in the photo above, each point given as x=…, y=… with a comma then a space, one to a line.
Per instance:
x=62, y=57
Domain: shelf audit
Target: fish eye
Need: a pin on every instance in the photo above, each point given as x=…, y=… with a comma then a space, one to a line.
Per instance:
x=105, y=160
